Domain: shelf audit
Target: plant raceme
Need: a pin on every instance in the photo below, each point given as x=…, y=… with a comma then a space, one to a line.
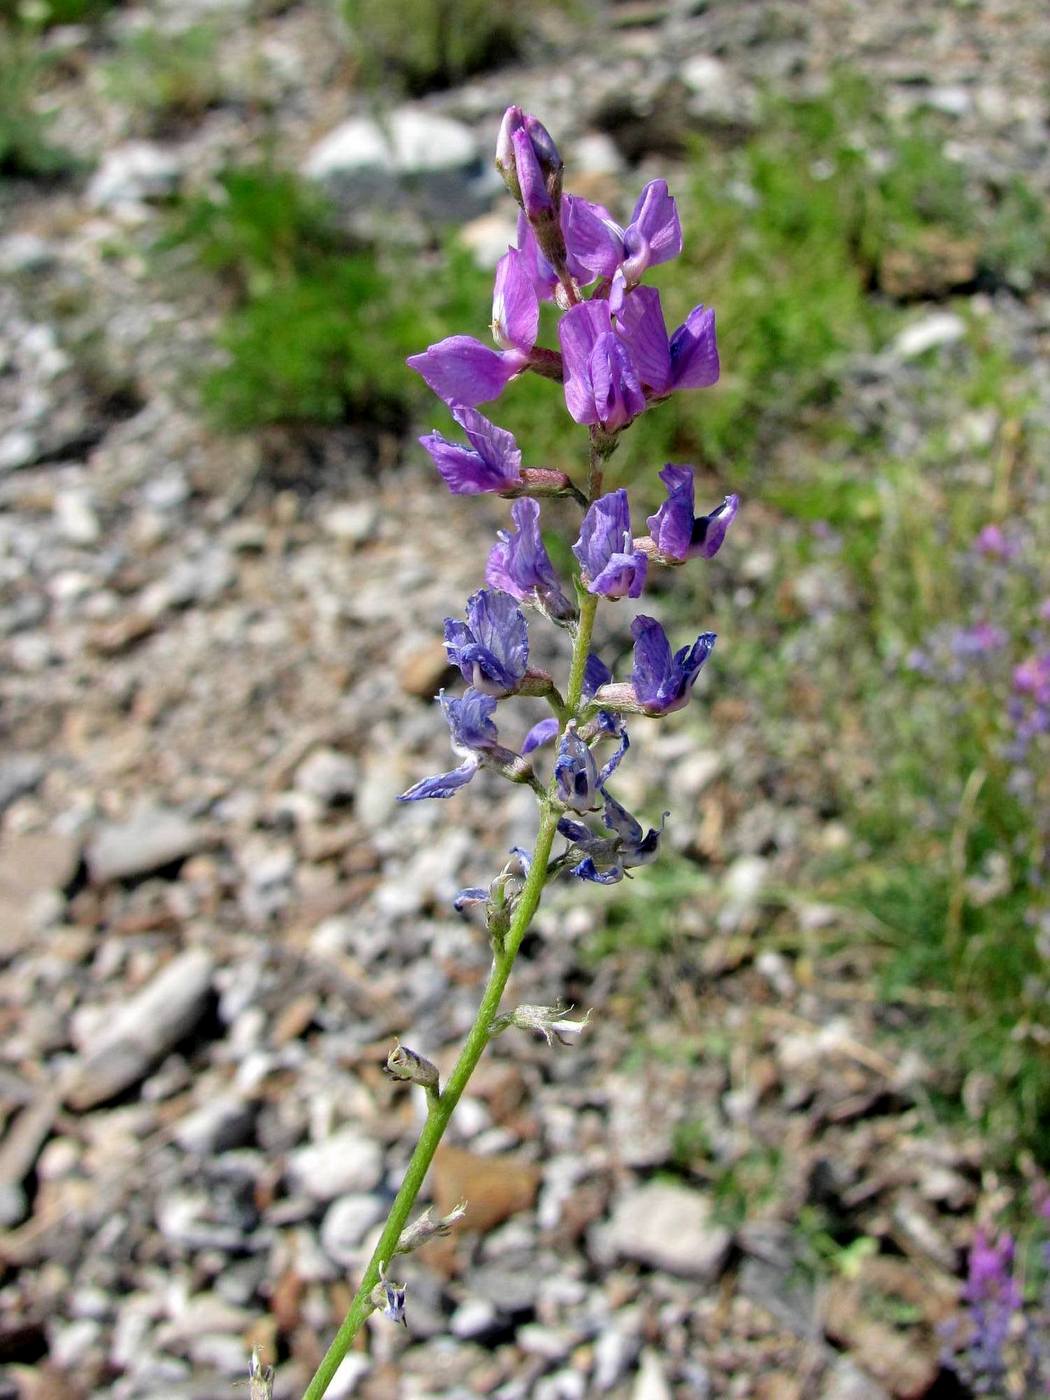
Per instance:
x=615, y=360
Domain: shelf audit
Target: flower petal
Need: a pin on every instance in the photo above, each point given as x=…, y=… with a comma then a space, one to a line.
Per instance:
x=515, y=306
x=644, y=331
x=694, y=351
x=462, y=370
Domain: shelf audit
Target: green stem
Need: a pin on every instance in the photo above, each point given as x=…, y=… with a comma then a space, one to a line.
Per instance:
x=440, y=1107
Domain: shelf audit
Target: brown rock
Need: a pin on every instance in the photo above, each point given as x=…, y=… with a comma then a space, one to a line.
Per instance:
x=423, y=671
x=32, y=866
x=931, y=266
x=904, y=1361
x=494, y=1188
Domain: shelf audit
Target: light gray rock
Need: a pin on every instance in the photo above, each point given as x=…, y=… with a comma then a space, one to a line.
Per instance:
x=651, y=1382
x=143, y=1029
x=151, y=838
x=473, y=1318
x=846, y=1381
x=939, y=328
x=19, y=773
x=670, y=1227
x=132, y=173
x=328, y=775
x=347, y=1162
x=346, y=1223
x=217, y=1125
x=75, y=518
x=410, y=141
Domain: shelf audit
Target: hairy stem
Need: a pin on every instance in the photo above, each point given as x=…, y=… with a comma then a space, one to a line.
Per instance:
x=440, y=1107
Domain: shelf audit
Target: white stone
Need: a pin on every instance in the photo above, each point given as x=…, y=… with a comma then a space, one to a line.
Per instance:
x=75, y=518
x=344, y=1163
x=346, y=1223
x=939, y=328
x=651, y=1382
x=411, y=141
x=136, y=171
x=669, y=1227
x=473, y=1318
x=328, y=775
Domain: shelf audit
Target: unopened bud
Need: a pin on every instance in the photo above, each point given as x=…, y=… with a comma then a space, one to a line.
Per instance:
x=403, y=1063
x=427, y=1228
x=548, y=1020
x=260, y=1378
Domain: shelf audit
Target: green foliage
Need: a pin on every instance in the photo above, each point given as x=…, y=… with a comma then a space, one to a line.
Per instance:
x=420, y=45
x=48, y=12
x=319, y=329
x=24, y=145
x=166, y=76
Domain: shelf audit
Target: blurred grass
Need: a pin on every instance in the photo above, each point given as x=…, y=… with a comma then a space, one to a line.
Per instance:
x=26, y=148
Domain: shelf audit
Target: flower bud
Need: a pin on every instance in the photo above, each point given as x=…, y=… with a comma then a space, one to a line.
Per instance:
x=403, y=1063
x=426, y=1228
x=548, y=1020
x=260, y=1378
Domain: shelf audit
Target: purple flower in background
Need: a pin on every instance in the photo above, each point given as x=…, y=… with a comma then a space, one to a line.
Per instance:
x=474, y=736
x=609, y=563
x=976, y=641
x=994, y=543
x=601, y=384
x=676, y=532
x=660, y=681
x=1032, y=677
x=689, y=360
x=491, y=648
x=492, y=462
x=520, y=565
x=992, y=1297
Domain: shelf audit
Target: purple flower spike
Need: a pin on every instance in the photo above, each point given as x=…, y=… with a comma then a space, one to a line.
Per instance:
x=635, y=849
x=594, y=237
x=520, y=565
x=601, y=384
x=676, y=532
x=576, y=773
x=473, y=735
x=491, y=648
x=462, y=370
x=492, y=462
x=662, y=682
x=515, y=306
x=609, y=563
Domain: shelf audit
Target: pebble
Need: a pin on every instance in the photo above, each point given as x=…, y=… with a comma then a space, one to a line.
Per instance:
x=409, y=141
x=939, y=328
x=132, y=173
x=669, y=1227
x=347, y=1162
x=143, y=1029
x=328, y=775
x=346, y=1223
x=219, y=1124
x=150, y=839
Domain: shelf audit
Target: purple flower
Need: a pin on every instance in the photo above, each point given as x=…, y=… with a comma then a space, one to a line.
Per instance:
x=660, y=681
x=575, y=772
x=491, y=648
x=609, y=563
x=978, y=640
x=515, y=305
x=994, y=543
x=1032, y=677
x=520, y=565
x=601, y=384
x=474, y=736
x=677, y=533
x=492, y=462
x=462, y=370
x=607, y=858
x=544, y=731
x=689, y=360
x=600, y=245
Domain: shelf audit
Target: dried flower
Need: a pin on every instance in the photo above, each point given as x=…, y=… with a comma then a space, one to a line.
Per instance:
x=404, y=1064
